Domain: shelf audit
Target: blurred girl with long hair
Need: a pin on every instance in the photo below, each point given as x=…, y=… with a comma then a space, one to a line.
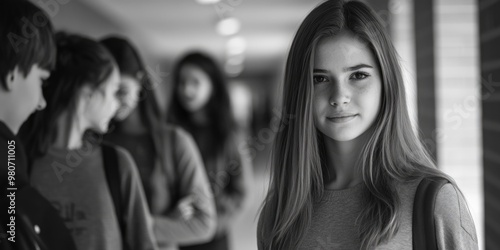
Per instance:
x=345, y=170
x=67, y=161
x=201, y=105
x=169, y=163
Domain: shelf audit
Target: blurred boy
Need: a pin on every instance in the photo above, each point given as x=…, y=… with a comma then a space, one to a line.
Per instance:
x=27, y=53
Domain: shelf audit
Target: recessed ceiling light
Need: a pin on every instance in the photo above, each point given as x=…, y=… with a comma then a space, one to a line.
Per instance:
x=233, y=70
x=236, y=59
x=236, y=45
x=207, y=1
x=228, y=26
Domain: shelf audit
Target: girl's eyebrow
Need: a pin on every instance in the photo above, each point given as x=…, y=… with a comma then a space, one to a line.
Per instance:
x=352, y=68
x=356, y=67
x=320, y=71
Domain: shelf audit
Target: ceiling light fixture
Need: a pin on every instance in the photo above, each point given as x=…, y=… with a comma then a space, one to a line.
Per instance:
x=228, y=26
x=207, y=1
x=236, y=45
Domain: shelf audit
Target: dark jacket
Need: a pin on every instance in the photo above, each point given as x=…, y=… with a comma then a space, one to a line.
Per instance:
x=36, y=221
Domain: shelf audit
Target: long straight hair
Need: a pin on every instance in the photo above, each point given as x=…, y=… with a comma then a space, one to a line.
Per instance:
x=222, y=123
x=131, y=64
x=393, y=152
x=80, y=61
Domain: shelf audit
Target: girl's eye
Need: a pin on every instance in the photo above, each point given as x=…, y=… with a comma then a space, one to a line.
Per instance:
x=318, y=79
x=359, y=75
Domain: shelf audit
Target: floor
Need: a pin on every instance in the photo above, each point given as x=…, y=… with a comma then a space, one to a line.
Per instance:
x=244, y=233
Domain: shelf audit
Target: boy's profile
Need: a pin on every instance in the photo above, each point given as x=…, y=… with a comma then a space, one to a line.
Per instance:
x=27, y=54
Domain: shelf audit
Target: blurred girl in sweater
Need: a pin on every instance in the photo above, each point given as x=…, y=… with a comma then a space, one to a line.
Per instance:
x=169, y=163
x=201, y=105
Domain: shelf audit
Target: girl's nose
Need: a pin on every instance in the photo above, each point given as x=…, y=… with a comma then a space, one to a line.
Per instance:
x=339, y=95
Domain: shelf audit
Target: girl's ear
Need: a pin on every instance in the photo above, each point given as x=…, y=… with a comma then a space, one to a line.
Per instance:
x=86, y=93
x=84, y=98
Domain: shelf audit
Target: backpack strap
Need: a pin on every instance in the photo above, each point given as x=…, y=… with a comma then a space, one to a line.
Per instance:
x=423, y=230
x=112, y=171
x=28, y=238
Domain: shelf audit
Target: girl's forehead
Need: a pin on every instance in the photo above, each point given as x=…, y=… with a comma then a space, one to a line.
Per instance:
x=342, y=50
x=113, y=79
x=192, y=70
x=190, y=67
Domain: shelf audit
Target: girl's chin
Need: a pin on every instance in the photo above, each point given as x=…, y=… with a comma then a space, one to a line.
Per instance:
x=102, y=128
x=105, y=129
x=122, y=114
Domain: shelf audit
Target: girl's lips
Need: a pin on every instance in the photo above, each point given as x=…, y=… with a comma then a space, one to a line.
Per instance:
x=341, y=118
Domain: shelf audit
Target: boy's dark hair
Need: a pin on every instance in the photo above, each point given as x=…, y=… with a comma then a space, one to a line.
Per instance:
x=26, y=38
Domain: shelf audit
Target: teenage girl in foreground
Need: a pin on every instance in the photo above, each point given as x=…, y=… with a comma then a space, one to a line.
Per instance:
x=345, y=170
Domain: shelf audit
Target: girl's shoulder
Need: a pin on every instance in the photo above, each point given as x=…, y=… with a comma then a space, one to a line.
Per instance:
x=408, y=188
x=452, y=214
x=451, y=211
x=178, y=140
x=124, y=159
x=172, y=130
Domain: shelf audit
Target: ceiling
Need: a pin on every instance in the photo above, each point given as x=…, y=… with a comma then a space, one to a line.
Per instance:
x=165, y=29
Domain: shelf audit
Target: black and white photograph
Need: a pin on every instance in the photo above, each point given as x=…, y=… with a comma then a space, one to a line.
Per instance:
x=249, y=124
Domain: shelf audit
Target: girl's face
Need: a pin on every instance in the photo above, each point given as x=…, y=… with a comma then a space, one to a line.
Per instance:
x=347, y=87
x=195, y=87
x=128, y=95
x=103, y=103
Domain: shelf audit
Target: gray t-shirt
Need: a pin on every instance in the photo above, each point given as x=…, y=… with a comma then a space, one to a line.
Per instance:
x=334, y=224
x=74, y=182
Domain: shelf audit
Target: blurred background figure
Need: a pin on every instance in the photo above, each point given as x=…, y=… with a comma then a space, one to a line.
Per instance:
x=201, y=105
x=449, y=52
x=68, y=163
x=169, y=163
